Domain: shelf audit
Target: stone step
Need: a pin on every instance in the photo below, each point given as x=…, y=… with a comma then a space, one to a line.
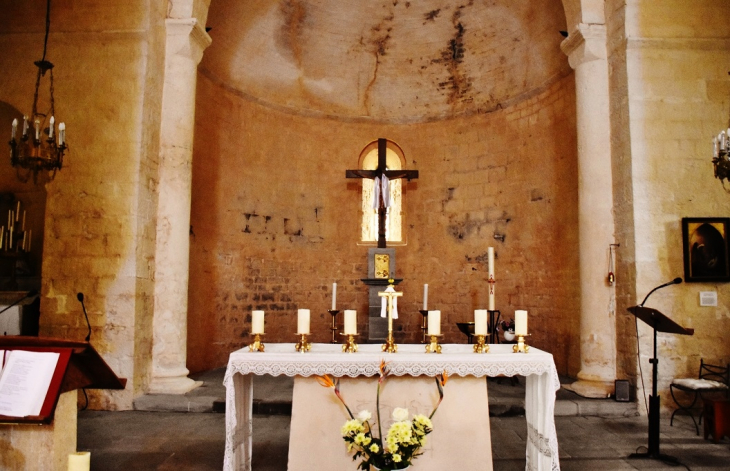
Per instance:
x=273, y=395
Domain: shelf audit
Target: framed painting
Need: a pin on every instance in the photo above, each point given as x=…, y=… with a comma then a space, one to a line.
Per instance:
x=705, y=247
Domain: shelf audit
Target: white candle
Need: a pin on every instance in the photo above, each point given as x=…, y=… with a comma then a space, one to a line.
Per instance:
x=520, y=322
x=490, y=256
x=25, y=126
x=37, y=130
x=425, y=297
x=50, y=128
x=350, y=322
x=79, y=461
x=303, y=321
x=257, y=322
x=715, y=152
x=15, y=128
x=480, y=322
x=61, y=133
x=334, y=295
x=434, y=322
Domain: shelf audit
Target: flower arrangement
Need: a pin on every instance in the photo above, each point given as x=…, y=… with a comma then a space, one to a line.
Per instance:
x=402, y=441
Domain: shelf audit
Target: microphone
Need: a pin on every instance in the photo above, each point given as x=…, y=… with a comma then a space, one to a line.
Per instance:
x=80, y=297
x=30, y=294
x=675, y=281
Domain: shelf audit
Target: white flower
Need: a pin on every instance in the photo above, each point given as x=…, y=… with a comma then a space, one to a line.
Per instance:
x=364, y=416
x=400, y=414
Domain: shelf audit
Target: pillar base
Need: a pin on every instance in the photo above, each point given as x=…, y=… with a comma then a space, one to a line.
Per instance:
x=591, y=389
x=172, y=384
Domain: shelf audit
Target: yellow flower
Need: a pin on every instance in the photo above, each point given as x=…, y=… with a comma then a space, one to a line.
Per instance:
x=374, y=448
x=352, y=427
x=397, y=458
x=362, y=439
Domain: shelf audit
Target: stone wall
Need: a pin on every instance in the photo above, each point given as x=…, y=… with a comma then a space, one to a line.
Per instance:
x=99, y=228
x=676, y=98
x=275, y=222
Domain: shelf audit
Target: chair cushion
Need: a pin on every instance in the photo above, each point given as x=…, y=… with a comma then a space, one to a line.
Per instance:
x=699, y=384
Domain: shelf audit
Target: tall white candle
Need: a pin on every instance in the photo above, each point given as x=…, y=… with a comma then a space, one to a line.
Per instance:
x=79, y=461
x=15, y=128
x=520, y=322
x=61, y=133
x=50, y=128
x=25, y=126
x=434, y=322
x=425, y=297
x=480, y=322
x=303, y=321
x=350, y=322
x=334, y=295
x=490, y=256
x=257, y=322
x=37, y=130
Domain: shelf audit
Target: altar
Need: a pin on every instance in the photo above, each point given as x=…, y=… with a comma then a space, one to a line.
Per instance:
x=458, y=360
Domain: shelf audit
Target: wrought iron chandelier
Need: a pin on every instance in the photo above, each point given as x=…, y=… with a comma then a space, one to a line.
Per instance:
x=721, y=155
x=40, y=147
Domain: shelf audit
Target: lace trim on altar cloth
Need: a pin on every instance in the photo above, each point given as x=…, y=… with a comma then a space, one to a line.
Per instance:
x=544, y=446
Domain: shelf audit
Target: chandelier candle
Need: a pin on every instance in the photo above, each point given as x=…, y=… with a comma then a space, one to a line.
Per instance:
x=480, y=322
x=434, y=322
x=303, y=321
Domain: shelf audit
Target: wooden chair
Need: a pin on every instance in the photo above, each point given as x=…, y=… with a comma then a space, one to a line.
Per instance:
x=712, y=379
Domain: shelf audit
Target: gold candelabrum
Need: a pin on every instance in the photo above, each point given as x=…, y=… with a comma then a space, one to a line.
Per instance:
x=520, y=346
x=433, y=346
x=303, y=345
x=257, y=345
x=390, y=294
x=350, y=346
x=480, y=346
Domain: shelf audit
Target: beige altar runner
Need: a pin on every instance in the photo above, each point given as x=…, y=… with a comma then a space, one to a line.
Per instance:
x=317, y=415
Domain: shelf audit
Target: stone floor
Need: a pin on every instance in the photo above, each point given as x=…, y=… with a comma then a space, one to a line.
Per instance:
x=592, y=434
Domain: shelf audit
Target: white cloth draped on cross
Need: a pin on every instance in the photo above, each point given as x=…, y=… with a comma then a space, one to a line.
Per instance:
x=384, y=304
x=381, y=185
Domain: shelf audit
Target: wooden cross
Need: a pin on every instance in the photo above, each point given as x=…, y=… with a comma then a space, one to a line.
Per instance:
x=379, y=172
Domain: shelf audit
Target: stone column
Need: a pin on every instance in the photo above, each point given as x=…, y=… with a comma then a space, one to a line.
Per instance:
x=586, y=51
x=186, y=41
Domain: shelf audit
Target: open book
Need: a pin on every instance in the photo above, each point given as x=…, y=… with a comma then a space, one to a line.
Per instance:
x=24, y=381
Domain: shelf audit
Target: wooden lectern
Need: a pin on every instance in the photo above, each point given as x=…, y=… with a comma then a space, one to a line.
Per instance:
x=40, y=442
x=660, y=323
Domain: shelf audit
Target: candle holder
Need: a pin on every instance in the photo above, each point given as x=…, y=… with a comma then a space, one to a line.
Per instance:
x=424, y=323
x=389, y=346
x=333, y=313
x=257, y=345
x=480, y=346
x=350, y=346
x=303, y=345
x=434, y=346
x=520, y=346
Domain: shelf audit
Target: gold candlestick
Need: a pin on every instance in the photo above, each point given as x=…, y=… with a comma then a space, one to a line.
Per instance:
x=434, y=346
x=303, y=345
x=333, y=313
x=520, y=346
x=424, y=323
x=350, y=346
x=480, y=346
x=257, y=345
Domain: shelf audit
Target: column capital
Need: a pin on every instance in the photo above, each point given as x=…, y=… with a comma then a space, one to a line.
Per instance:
x=585, y=44
x=186, y=37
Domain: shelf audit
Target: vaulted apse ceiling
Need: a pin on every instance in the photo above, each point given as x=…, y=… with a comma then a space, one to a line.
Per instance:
x=385, y=60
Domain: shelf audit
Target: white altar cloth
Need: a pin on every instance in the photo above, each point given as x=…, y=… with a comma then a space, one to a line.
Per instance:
x=457, y=359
